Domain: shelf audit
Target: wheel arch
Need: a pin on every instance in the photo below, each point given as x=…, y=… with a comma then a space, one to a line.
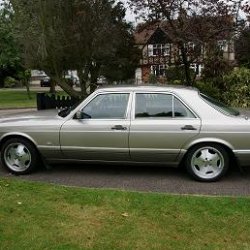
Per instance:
x=226, y=145
x=209, y=140
x=8, y=136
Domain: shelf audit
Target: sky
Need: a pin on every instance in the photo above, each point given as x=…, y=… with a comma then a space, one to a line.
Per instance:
x=129, y=14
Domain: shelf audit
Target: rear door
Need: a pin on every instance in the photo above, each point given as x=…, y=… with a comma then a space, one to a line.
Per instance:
x=161, y=123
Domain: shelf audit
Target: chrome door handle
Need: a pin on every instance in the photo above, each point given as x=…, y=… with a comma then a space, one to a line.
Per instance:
x=188, y=127
x=118, y=127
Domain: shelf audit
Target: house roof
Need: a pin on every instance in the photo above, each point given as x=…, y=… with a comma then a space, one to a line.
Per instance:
x=145, y=31
x=193, y=28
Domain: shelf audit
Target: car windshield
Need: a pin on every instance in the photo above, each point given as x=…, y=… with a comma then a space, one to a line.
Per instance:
x=220, y=106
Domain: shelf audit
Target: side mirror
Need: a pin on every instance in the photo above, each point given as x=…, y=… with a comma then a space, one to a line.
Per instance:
x=81, y=115
x=78, y=115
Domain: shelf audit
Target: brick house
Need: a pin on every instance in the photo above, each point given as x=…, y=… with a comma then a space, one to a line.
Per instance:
x=158, y=52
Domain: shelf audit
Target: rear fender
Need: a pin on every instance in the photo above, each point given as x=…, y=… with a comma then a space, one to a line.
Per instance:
x=208, y=140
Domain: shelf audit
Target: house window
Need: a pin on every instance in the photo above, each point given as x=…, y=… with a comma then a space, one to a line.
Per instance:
x=195, y=48
x=222, y=45
x=190, y=45
x=197, y=68
x=158, y=70
x=194, y=67
x=161, y=49
x=167, y=49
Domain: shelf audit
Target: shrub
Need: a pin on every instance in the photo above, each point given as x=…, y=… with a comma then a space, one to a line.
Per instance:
x=152, y=79
x=232, y=88
x=209, y=89
x=10, y=82
x=238, y=76
x=238, y=88
x=176, y=75
x=238, y=96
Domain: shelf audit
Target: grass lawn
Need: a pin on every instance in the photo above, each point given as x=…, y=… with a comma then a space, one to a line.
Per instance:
x=42, y=216
x=10, y=98
x=16, y=99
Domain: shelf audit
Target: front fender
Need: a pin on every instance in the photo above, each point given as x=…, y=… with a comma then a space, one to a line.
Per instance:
x=17, y=134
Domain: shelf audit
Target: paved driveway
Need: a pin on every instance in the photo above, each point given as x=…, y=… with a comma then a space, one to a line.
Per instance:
x=149, y=179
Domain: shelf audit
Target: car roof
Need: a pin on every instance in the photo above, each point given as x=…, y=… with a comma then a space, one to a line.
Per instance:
x=170, y=88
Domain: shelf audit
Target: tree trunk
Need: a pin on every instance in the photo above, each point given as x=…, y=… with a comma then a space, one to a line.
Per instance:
x=2, y=77
x=1, y=82
x=52, y=89
x=27, y=85
x=178, y=37
x=186, y=65
x=83, y=74
x=68, y=89
x=82, y=80
x=53, y=81
x=94, y=71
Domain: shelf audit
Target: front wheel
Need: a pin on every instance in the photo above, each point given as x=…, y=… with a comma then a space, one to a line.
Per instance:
x=207, y=162
x=19, y=156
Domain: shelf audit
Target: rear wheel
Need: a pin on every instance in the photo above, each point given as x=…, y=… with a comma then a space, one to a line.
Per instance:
x=207, y=162
x=19, y=156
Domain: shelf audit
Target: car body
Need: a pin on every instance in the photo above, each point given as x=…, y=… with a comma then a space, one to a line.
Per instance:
x=139, y=124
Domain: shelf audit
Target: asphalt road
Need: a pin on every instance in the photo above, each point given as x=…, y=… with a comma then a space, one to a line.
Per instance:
x=148, y=179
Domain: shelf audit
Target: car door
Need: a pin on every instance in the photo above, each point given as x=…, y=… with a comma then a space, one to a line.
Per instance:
x=102, y=131
x=160, y=125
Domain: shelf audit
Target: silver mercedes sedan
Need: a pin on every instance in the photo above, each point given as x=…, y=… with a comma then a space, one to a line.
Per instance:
x=141, y=125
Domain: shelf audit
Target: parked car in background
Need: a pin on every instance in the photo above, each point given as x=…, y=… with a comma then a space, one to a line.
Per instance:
x=45, y=82
x=169, y=126
x=70, y=79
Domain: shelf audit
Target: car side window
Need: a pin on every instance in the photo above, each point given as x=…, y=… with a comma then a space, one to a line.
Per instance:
x=159, y=105
x=107, y=106
x=181, y=110
x=153, y=105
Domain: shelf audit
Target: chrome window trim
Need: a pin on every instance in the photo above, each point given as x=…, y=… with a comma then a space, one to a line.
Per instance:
x=126, y=116
x=163, y=118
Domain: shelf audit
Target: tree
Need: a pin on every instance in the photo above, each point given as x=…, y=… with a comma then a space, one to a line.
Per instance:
x=62, y=35
x=10, y=61
x=109, y=48
x=43, y=35
x=243, y=48
x=201, y=22
x=120, y=66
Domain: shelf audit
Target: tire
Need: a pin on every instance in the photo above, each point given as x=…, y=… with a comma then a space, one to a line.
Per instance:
x=19, y=156
x=207, y=162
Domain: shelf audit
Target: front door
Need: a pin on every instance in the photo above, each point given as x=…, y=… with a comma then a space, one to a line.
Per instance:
x=102, y=133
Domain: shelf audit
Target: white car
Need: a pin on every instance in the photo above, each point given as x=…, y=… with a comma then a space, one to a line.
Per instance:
x=138, y=125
